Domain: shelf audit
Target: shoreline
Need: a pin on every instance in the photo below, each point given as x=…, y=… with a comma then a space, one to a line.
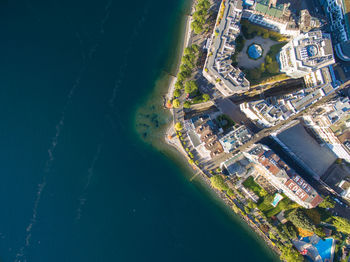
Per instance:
x=175, y=143
x=186, y=40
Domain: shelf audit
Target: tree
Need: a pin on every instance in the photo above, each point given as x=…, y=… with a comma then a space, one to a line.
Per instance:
x=319, y=231
x=252, y=205
x=187, y=104
x=268, y=59
x=342, y=224
x=328, y=202
x=255, y=73
x=206, y=97
x=262, y=67
x=218, y=182
x=178, y=85
x=194, y=48
x=300, y=219
x=178, y=126
x=185, y=70
x=273, y=68
x=230, y=192
x=291, y=255
x=177, y=92
x=176, y=103
x=181, y=77
x=289, y=230
x=265, y=35
x=191, y=87
x=197, y=27
x=188, y=60
x=240, y=41
x=203, y=5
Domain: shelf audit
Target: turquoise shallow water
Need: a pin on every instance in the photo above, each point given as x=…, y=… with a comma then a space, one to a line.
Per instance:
x=78, y=182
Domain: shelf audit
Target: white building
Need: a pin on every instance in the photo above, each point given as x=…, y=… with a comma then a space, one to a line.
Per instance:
x=218, y=68
x=323, y=120
x=269, y=14
x=235, y=138
x=306, y=53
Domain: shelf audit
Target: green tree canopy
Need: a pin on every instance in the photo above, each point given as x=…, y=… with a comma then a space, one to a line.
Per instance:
x=273, y=67
x=327, y=202
x=197, y=27
x=187, y=104
x=178, y=85
x=194, y=48
x=300, y=219
x=188, y=60
x=289, y=230
x=255, y=73
x=203, y=5
x=191, y=87
x=218, y=182
x=178, y=126
x=268, y=59
x=319, y=231
x=342, y=224
x=291, y=255
x=206, y=97
x=177, y=92
x=181, y=77
x=176, y=103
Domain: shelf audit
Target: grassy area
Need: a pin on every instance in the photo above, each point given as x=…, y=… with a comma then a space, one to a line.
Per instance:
x=218, y=182
x=252, y=185
x=269, y=210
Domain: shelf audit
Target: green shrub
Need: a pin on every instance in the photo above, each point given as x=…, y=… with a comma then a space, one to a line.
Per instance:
x=218, y=182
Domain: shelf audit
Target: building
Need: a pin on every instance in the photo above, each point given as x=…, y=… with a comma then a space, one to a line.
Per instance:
x=344, y=185
x=337, y=178
x=235, y=138
x=306, y=22
x=269, y=14
x=202, y=134
x=339, y=26
x=218, y=69
x=329, y=122
x=336, y=15
x=306, y=53
x=273, y=110
x=273, y=174
x=285, y=179
x=239, y=165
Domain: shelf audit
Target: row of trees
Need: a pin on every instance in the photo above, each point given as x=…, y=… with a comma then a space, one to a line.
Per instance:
x=188, y=61
x=199, y=16
x=188, y=64
x=218, y=182
x=250, y=31
x=240, y=42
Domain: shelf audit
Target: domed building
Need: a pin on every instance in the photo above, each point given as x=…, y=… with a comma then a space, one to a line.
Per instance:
x=306, y=53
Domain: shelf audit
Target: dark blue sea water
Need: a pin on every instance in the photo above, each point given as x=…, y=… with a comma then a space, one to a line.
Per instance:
x=78, y=183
